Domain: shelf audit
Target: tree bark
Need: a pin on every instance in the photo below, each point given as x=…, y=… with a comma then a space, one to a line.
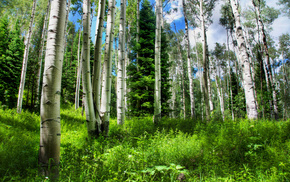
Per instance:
x=200, y=77
x=157, y=92
x=244, y=57
x=230, y=78
x=40, y=57
x=97, y=59
x=219, y=88
x=107, y=71
x=209, y=87
x=205, y=64
x=93, y=130
x=192, y=103
x=126, y=89
x=121, y=66
x=49, y=152
x=267, y=57
x=25, y=60
x=79, y=71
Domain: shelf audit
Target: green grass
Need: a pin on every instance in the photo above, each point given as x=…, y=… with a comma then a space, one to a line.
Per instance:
x=239, y=150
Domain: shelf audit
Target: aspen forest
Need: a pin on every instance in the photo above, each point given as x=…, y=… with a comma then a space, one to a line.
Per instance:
x=144, y=90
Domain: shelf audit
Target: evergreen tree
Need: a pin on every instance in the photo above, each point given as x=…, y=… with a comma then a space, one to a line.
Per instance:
x=11, y=48
x=4, y=33
x=33, y=66
x=70, y=64
x=141, y=81
x=165, y=79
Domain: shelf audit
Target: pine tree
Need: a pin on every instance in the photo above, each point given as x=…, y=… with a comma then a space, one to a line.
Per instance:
x=141, y=81
x=12, y=67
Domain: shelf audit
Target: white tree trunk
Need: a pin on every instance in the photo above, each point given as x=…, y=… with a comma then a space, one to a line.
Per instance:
x=268, y=87
x=86, y=72
x=244, y=57
x=79, y=71
x=219, y=88
x=252, y=67
x=192, y=103
x=209, y=88
x=121, y=66
x=126, y=89
x=97, y=59
x=205, y=64
x=157, y=91
x=107, y=70
x=230, y=77
x=200, y=76
x=49, y=152
x=43, y=40
x=25, y=60
x=238, y=63
x=267, y=57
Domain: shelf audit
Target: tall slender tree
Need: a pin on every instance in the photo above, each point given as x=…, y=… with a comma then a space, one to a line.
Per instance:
x=25, y=60
x=43, y=41
x=263, y=36
x=121, y=66
x=49, y=152
x=192, y=103
x=79, y=70
x=86, y=72
x=97, y=58
x=157, y=93
x=107, y=70
x=205, y=63
x=244, y=57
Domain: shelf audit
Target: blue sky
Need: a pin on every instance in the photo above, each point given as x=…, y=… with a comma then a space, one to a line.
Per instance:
x=215, y=33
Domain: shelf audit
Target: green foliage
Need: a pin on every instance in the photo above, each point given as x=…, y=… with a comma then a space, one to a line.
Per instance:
x=238, y=96
x=141, y=72
x=286, y=7
x=239, y=150
x=31, y=81
x=11, y=52
x=70, y=64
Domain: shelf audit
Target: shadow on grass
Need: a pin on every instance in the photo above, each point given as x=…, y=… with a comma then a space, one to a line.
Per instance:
x=19, y=136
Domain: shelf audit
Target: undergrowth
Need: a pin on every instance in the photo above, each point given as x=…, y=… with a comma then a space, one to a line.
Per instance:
x=173, y=150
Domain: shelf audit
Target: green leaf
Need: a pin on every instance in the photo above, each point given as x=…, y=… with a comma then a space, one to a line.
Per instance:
x=160, y=168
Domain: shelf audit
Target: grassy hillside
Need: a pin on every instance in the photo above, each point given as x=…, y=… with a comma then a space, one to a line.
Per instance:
x=174, y=150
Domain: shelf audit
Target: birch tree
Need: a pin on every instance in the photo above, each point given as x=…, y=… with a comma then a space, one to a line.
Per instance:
x=244, y=57
x=157, y=93
x=97, y=58
x=187, y=42
x=25, y=60
x=121, y=66
x=79, y=71
x=268, y=70
x=43, y=41
x=107, y=70
x=219, y=54
x=49, y=152
x=205, y=63
x=86, y=72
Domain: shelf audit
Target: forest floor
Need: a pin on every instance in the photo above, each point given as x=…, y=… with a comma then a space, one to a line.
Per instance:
x=174, y=150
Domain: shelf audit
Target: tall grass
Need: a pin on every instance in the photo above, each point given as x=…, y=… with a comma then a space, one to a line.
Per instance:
x=174, y=150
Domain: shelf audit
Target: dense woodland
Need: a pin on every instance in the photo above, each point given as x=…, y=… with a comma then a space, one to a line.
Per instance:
x=140, y=82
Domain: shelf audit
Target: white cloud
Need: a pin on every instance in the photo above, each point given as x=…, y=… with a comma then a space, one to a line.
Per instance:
x=174, y=15
x=217, y=33
x=280, y=26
